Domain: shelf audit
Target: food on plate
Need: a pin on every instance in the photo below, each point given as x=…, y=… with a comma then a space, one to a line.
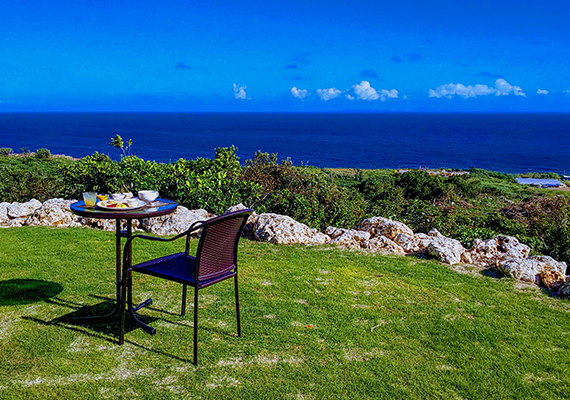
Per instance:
x=102, y=197
x=115, y=204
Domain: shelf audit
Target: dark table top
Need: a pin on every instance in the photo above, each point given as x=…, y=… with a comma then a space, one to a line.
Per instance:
x=167, y=207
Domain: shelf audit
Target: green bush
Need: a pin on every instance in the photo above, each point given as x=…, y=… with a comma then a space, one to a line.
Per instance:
x=5, y=151
x=43, y=153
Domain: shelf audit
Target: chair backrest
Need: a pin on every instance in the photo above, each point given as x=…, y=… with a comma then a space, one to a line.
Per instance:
x=217, y=249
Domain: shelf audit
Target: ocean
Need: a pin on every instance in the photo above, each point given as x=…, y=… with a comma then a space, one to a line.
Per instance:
x=511, y=143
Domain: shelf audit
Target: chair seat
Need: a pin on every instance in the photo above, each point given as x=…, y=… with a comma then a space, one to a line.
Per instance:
x=179, y=267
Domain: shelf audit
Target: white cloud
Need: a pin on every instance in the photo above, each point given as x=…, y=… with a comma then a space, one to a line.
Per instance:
x=349, y=97
x=239, y=92
x=502, y=88
x=388, y=94
x=328, y=94
x=541, y=91
x=299, y=93
x=364, y=91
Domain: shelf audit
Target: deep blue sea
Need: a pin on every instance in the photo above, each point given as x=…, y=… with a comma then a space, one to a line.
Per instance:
x=511, y=143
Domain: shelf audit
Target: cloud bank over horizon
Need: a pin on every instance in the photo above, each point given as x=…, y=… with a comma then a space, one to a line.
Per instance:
x=501, y=88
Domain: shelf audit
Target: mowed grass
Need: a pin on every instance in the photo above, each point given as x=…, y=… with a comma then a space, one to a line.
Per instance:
x=317, y=323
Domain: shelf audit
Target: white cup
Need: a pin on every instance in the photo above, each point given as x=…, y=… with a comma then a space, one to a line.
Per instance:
x=148, y=195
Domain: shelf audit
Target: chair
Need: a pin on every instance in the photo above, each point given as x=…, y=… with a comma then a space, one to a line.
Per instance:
x=215, y=261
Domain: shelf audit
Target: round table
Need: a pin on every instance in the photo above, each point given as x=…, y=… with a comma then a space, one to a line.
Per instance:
x=156, y=209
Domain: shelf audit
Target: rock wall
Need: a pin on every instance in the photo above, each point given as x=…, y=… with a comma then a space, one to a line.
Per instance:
x=375, y=234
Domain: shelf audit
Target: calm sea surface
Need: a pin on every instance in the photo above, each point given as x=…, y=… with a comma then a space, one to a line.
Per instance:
x=502, y=142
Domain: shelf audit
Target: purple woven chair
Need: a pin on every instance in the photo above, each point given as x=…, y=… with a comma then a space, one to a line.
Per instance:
x=215, y=261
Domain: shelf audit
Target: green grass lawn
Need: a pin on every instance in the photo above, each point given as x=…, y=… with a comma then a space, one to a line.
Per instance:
x=317, y=323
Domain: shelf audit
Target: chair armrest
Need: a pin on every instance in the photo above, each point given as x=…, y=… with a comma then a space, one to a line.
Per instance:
x=194, y=227
x=127, y=250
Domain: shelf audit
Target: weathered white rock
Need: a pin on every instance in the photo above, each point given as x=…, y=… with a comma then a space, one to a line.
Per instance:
x=380, y=226
x=417, y=243
x=347, y=237
x=529, y=269
x=552, y=279
x=19, y=210
x=447, y=250
x=54, y=212
x=4, y=211
x=491, y=252
x=237, y=207
x=175, y=223
x=282, y=229
x=382, y=244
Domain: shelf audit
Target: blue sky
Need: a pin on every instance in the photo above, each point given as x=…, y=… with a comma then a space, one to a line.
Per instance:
x=284, y=55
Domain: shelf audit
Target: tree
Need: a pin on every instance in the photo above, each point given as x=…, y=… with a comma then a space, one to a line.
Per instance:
x=118, y=143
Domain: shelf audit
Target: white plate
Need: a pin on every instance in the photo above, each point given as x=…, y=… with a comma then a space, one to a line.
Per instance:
x=104, y=204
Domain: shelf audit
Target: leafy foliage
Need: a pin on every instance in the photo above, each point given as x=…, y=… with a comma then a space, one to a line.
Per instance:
x=480, y=204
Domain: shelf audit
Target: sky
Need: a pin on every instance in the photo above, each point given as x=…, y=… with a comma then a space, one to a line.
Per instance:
x=285, y=56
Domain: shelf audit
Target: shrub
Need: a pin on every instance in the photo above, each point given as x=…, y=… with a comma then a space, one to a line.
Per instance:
x=5, y=151
x=307, y=194
x=43, y=153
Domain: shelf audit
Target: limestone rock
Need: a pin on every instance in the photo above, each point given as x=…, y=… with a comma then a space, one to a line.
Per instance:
x=487, y=253
x=382, y=244
x=237, y=207
x=417, y=243
x=4, y=211
x=175, y=223
x=529, y=269
x=380, y=226
x=54, y=212
x=434, y=233
x=282, y=229
x=552, y=279
x=19, y=210
x=447, y=250
x=347, y=237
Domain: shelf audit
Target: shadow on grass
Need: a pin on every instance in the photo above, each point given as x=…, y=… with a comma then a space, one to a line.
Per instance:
x=25, y=291
x=100, y=335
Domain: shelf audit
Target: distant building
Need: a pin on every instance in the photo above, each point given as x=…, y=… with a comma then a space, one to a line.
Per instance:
x=543, y=183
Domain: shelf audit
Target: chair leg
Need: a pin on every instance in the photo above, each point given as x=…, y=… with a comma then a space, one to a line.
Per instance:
x=196, y=325
x=184, y=287
x=237, y=306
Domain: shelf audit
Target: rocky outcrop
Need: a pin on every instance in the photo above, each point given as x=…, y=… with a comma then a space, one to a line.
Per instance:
x=354, y=239
x=349, y=238
x=282, y=229
x=54, y=212
x=530, y=269
x=491, y=252
x=21, y=210
x=175, y=223
x=4, y=212
x=447, y=250
x=383, y=245
x=380, y=226
x=415, y=243
x=376, y=234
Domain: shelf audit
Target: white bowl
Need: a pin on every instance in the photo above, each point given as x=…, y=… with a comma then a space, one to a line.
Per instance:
x=118, y=196
x=148, y=195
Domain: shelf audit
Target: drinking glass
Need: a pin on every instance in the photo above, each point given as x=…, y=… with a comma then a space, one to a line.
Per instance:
x=90, y=198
